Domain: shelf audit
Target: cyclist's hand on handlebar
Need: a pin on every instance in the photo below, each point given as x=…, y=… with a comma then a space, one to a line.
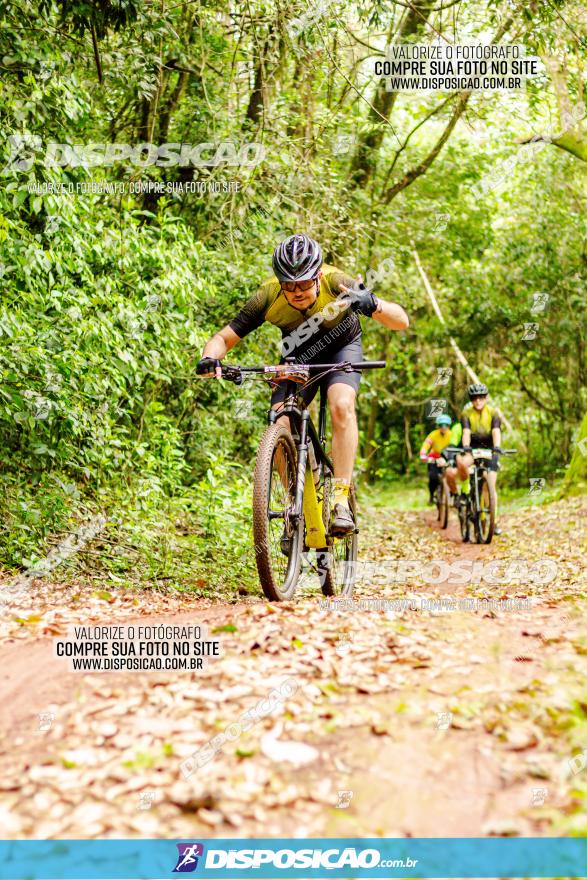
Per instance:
x=209, y=367
x=497, y=450
x=468, y=449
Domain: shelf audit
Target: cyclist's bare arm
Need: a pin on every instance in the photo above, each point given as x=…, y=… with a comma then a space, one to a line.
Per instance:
x=391, y=315
x=387, y=313
x=220, y=344
x=466, y=439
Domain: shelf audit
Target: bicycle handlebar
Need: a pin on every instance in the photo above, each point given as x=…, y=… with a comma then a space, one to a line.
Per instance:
x=235, y=373
x=459, y=449
x=293, y=367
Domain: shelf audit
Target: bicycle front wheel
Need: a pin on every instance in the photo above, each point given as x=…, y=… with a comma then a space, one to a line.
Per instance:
x=444, y=502
x=278, y=540
x=464, y=521
x=485, y=519
x=438, y=501
x=337, y=564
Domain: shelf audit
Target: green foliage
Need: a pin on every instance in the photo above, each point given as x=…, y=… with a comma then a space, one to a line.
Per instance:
x=108, y=300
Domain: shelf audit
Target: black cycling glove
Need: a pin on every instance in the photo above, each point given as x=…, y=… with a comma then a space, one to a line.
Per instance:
x=207, y=365
x=363, y=300
x=497, y=451
x=467, y=448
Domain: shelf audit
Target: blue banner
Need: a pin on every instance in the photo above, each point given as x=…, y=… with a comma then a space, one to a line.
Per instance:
x=314, y=857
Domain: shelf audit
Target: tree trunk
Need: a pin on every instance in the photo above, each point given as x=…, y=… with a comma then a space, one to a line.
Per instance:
x=256, y=106
x=365, y=159
x=407, y=435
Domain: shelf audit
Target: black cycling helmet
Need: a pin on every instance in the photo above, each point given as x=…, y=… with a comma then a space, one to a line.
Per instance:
x=298, y=258
x=478, y=389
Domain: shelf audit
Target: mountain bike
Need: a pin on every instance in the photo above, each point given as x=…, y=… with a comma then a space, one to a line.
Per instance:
x=477, y=509
x=293, y=486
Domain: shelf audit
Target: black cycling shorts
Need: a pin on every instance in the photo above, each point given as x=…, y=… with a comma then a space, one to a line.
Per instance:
x=352, y=351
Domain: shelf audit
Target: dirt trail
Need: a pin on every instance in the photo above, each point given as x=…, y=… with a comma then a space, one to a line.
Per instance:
x=415, y=722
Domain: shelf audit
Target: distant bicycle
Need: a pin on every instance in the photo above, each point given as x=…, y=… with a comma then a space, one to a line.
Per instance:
x=477, y=509
x=442, y=491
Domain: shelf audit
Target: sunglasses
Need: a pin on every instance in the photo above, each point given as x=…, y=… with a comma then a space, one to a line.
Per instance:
x=291, y=286
x=478, y=396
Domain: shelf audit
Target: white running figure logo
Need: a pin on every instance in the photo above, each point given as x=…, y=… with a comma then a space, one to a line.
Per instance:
x=189, y=856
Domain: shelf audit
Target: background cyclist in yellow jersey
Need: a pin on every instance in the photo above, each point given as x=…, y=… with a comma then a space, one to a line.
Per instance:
x=432, y=447
x=481, y=430
x=316, y=307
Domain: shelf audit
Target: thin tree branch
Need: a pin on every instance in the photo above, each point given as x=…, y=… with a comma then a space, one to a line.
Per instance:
x=423, y=167
x=96, y=54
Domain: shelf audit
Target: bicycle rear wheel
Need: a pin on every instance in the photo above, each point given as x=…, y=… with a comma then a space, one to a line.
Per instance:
x=444, y=502
x=485, y=519
x=337, y=563
x=278, y=542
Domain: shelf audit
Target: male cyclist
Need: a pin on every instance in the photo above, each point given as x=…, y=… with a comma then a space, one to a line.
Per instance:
x=316, y=307
x=481, y=430
x=432, y=447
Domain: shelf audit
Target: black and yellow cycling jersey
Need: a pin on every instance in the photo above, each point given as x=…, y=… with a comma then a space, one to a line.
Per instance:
x=321, y=322
x=481, y=424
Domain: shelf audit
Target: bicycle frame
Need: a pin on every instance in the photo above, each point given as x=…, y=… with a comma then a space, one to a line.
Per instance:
x=306, y=501
x=304, y=430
